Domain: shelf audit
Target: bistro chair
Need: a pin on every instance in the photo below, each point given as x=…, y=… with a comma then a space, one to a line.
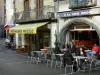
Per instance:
x=36, y=57
x=30, y=58
x=90, y=64
x=48, y=59
x=69, y=68
x=59, y=61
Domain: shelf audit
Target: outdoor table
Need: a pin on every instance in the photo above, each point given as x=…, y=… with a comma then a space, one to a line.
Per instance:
x=60, y=55
x=43, y=49
x=87, y=50
x=62, y=50
x=37, y=51
x=78, y=60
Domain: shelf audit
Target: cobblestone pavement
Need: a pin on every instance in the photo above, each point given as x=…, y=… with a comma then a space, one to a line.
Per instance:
x=12, y=63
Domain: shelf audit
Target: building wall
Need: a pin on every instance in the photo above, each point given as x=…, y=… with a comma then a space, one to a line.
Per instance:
x=9, y=12
x=48, y=2
x=64, y=6
x=65, y=22
x=19, y=5
x=2, y=18
x=2, y=12
x=32, y=4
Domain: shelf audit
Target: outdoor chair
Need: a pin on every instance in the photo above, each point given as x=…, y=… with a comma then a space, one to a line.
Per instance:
x=69, y=68
x=59, y=61
x=36, y=57
x=90, y=64
x=49, y=59
x=30, y=58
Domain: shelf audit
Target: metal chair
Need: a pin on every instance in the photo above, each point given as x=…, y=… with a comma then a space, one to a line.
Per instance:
x=36, y=57
x=48, y=59
x=69, y=68
x=59, y=61
x=30, y=58
x=89, y=65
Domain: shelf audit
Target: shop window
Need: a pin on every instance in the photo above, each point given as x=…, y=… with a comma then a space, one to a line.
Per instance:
x=82, y=27
x=84, y=35
x=47, y=39
x=76, y=35
x=82, y=3
x=26, y=4
x=94, y=35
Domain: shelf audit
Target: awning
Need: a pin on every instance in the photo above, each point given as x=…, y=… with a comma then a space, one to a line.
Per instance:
x=26, y=28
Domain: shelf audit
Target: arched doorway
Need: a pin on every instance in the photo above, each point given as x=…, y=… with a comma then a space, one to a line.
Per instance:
x=85, y=31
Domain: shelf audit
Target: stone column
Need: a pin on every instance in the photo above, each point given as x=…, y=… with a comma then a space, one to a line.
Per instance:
x=17, y=41
x=23, y=40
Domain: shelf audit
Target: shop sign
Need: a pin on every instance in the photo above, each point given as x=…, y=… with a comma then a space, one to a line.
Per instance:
x=23, y=31
x=79, y=12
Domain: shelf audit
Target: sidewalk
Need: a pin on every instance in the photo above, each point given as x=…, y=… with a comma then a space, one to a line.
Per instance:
x=12, y=63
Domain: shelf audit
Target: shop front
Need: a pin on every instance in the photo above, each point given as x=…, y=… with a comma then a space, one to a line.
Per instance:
x=31, y=37
x=80, y=26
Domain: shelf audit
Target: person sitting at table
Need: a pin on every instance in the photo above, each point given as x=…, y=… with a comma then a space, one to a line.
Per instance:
x=95, y=49
x=73, y=49
x=80, y=51
x=63, y=49
x=68, y=59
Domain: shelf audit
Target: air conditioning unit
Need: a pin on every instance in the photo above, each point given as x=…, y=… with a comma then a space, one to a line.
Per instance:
x=50, y=15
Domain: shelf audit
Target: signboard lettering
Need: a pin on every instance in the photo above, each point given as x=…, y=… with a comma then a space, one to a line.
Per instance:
x=79, y=12
x=26, y=31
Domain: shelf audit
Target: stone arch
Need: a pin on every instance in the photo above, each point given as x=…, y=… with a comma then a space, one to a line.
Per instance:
x=77, y=20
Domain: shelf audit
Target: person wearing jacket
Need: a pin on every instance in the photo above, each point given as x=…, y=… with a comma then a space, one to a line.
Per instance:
x=68, y=59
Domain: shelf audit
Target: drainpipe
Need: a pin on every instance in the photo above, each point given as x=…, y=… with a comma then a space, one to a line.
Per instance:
x=14, y=22
x=14, y=12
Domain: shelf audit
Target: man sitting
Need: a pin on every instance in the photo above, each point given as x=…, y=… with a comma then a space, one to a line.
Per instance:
x=94, y=50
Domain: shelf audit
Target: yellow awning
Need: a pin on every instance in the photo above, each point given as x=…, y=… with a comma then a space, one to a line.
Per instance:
x=26, y=28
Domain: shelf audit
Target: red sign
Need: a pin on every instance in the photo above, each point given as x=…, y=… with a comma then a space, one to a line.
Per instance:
x=7, y=27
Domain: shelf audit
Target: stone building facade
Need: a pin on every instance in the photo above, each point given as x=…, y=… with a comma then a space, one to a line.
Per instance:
x=76, y=19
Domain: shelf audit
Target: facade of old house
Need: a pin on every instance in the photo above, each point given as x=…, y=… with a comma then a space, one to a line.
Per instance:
x=2, y=18
x=79, y=21
x=35, y=24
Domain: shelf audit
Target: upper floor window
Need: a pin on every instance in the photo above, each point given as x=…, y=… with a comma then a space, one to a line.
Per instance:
x=26, y=4
x=81, y=3
x=39, y=4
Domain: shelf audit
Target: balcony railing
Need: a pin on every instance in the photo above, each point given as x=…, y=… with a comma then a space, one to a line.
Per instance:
x=45, y=12
x=73, y=4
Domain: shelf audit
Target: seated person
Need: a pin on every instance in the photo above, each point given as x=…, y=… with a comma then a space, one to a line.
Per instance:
x=63, y=49
x=94, y=50
x=80, y=51
x=68, y=59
